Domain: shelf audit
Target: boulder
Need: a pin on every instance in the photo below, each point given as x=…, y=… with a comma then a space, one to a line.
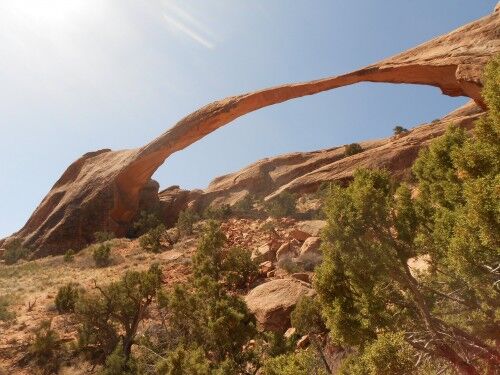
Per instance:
x=285, y=250
x=273, y=302
x=305, y=229
x=264, y=253
x=310, y=246
x=266, y=267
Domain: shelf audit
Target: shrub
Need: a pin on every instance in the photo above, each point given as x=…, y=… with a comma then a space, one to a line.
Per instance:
x=186, y=220
x=116, y=310
x=66, y=298
x=245, y=204
x=46, y=346
x=151, y=241
x=15, y=251
x=302, y=362
x=69, y=256
x=117, y=364
x=103, y=236
x=184, y=361
x=352, y=149
x=101, y=255
x=289, y=265
x=399, y=130
x=221, y=212
x=239, y=268
x=281, y=206
x=146, y=222
x=306, y=317
x=5, y=314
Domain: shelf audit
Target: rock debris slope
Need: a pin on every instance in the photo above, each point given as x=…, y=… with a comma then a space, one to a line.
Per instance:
x=104, y=190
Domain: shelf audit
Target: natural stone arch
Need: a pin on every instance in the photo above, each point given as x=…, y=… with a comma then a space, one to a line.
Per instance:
x=102, y=190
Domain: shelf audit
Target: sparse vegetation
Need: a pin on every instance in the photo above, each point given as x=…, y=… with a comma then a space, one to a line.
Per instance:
x=69, y=256
x=146, y=222
x=352, y=149
x=5, y=313
x=101, y=254
x=221, y=212
x=301, y=362
x=239, y=268
x=186, y=220
x=15, y=251
x=151, y=240
x=282, y=206
x=399, y=130
x=244, y=205
x=45, y=347
x=116, y=310
x=66, y=298
x=103, y=236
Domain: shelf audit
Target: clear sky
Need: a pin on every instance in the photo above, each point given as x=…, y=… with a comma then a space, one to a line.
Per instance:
x=81, y=75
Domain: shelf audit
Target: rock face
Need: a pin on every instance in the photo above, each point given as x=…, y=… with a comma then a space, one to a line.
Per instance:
x=105, y=190
x=273, y=302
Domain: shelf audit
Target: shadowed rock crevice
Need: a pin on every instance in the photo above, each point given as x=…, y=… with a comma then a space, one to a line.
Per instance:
x=102, y=190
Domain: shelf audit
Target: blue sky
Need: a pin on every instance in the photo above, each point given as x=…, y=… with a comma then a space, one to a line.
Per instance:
x=80, y=75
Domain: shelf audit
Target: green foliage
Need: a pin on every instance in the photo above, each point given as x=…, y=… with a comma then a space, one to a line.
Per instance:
x=282, y=206
x=302, y=362
x=151, y=240
x=69, y=256
x=352, y=149
x=14, y=251
x=306, y=317
x=101, y=254
x=103, y=236
x=116, y=310
x=146, y=222
x=221, y=212
x=5, y=313
x=399, y=130
x=45, y=346
x=184, y=361
x=117, y=364
x=389, y=354
x=186, y=220
x=370, y=298
x=202, y=314
x=66, y=298
x=238, y=267
x=244, y=205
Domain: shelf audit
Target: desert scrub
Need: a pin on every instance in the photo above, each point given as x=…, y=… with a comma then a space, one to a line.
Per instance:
x=15, y=251
x=66, y=298
x=5, y=313
x=151, y=241
x=45, y=347
x=221, y=212
x=282, y=206
x=69, y=256
x=103, y=236
x=399, y=130
x=238, y=267
x=186, y=220
x=101, y=254
x=146, y=222
x=352, y=149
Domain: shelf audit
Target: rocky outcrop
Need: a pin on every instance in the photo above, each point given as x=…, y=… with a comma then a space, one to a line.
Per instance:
x=273, y=302
x=104, y=190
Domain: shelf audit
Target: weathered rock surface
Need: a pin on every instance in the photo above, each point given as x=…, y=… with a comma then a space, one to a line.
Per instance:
x=105, y=190
x=310, y=246
x=273, y=302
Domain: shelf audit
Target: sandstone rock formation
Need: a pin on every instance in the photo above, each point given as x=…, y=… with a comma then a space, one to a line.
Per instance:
x=104, y=190
x=273, y=302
